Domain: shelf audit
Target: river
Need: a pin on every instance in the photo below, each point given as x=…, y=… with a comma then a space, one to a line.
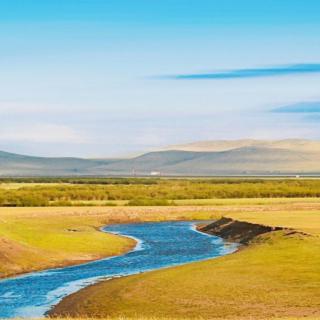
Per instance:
x=159, y=245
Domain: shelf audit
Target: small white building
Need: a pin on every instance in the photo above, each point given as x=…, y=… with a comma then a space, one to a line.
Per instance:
x=155, y=173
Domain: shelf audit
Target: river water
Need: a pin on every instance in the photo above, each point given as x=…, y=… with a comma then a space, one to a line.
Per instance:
x=159, y=245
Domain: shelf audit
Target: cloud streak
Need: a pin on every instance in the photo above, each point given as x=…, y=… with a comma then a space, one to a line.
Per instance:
x=302, y=107
x=275, y=71
x=42, y=133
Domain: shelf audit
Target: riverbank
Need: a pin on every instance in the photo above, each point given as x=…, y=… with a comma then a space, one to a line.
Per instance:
x=276, y=276
x=33, y=243
x=33, y=239
x=163, y=245
x=237, y=231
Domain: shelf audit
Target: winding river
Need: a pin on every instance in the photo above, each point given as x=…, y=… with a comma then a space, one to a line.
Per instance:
x=159, y=245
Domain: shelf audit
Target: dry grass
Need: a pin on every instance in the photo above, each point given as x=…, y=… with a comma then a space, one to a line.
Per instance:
x=276, y=277
x=315, y=202
x=39, y=238
x=307, y=221
x=19, y=185
x=250, y=201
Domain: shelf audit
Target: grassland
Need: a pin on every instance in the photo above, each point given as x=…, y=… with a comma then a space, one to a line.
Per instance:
x=34, y=240
x=83, y=192
x=43, y=237
x=276, y=276
x=40, y=238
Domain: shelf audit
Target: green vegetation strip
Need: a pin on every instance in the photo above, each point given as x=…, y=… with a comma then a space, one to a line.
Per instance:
x=146, y=192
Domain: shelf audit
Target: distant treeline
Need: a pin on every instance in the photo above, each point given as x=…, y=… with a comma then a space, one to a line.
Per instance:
x=72, y=180
x=152, y=191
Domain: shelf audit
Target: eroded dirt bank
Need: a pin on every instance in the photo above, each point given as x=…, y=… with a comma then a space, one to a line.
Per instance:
x=236, y=231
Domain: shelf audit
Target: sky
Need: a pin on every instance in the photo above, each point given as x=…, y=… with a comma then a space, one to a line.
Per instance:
x=107, y=78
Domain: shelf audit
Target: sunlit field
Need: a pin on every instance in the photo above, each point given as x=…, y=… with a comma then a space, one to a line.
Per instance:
x=278, y=274
x=238, y=286
x=40, y=238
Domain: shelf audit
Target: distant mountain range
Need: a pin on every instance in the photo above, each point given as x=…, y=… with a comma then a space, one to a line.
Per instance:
x=206, y=158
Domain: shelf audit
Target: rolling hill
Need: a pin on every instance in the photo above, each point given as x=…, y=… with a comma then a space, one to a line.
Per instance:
x=210, y=158
x=224, y=145
x=12, y=164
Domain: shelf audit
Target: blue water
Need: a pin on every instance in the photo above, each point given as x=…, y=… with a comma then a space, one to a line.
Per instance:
x=159, y=245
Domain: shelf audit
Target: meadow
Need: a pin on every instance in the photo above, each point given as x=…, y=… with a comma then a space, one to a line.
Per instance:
x=43, y=192
x=276, y=276
x=36, y=238
x=40, y=238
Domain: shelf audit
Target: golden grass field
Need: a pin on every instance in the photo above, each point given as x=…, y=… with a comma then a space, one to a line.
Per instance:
x=40, y=238
x=216, y=202
x=19, y=185
x=276, y=277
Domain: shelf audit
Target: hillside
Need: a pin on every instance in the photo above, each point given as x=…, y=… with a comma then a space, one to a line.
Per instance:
x=224, y=145
x=12, y=164
x=242, y=161
x=242, y=157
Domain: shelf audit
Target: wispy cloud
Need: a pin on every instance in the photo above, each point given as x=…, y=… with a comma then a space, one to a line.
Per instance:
x=302, y=107
x=42, y=133
x=275, y=71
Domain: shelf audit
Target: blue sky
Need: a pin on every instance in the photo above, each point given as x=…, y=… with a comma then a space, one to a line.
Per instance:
x=103, y=78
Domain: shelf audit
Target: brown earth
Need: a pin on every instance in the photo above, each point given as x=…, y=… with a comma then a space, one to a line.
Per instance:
x=237, y=231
